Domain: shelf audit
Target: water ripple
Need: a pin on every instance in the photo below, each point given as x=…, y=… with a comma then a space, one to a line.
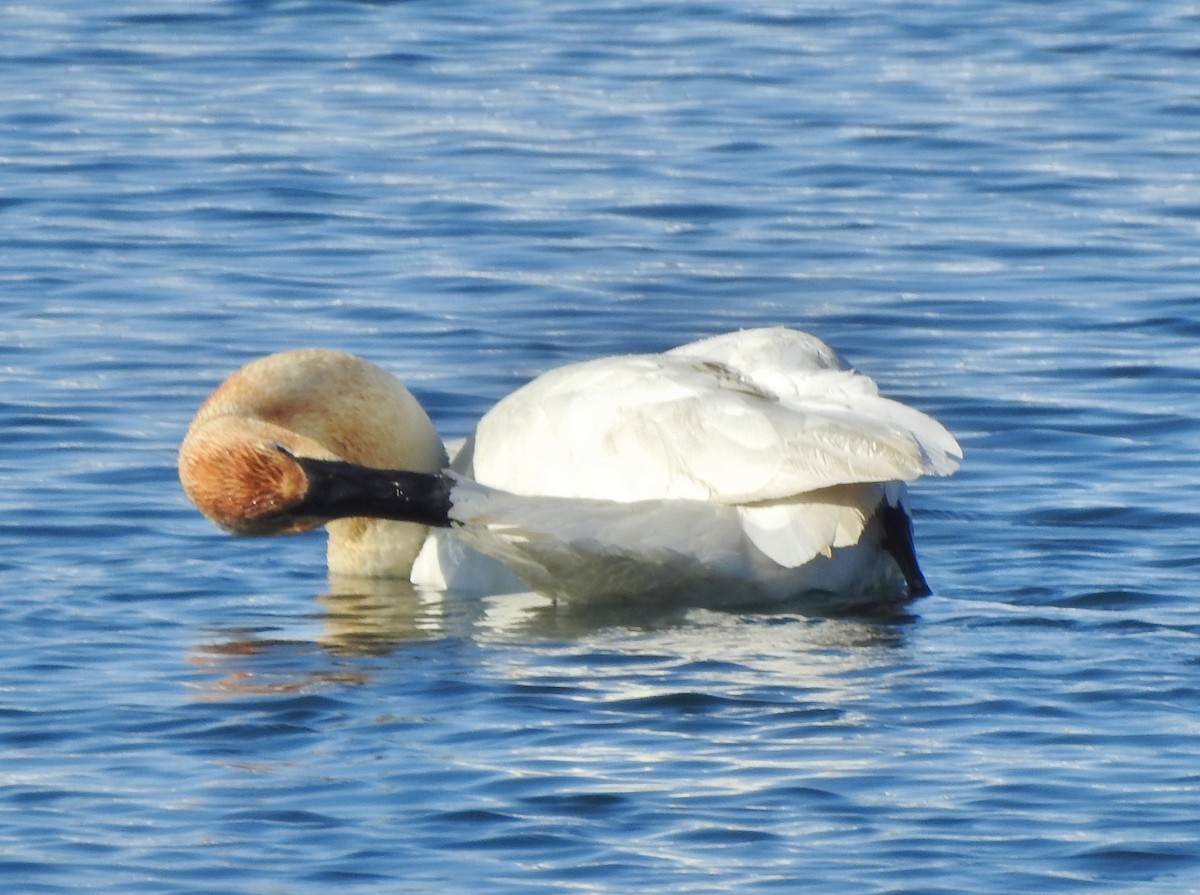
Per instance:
x=989, y=208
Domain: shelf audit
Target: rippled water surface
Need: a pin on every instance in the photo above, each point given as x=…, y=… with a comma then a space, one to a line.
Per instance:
x=991, y=208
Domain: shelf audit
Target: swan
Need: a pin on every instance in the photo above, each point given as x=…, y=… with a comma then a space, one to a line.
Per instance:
x=746, y=468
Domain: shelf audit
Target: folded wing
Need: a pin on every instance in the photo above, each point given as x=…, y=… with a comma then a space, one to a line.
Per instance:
x=749, y=417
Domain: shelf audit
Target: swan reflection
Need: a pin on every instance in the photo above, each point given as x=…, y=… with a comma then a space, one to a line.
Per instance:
x=363, y=625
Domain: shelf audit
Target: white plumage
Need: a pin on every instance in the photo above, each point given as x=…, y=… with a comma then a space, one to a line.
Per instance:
x=730, y=463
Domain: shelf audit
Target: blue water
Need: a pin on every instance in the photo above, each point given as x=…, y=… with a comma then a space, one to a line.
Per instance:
x=991, y=208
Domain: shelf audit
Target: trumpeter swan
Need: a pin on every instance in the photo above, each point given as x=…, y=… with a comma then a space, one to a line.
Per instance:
x=748, y=467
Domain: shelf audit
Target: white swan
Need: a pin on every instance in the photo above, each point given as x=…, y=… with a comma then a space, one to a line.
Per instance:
x=749, y=467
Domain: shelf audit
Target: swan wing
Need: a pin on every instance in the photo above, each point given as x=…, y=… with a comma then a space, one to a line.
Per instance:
x=758, y=415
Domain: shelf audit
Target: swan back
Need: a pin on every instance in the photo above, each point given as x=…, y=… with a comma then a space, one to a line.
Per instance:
x=752, y=416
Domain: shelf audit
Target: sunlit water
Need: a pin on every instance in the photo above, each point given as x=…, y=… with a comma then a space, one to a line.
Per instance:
x=993, y=209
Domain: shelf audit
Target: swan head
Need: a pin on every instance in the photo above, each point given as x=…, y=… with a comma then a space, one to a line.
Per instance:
x=242, y=460
x=244, y=475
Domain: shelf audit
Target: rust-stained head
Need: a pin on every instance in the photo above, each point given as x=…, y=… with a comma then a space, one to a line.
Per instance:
x=242, y=476
x=237, y=461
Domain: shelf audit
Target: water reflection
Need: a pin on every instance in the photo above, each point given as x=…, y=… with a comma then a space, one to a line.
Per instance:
x=248, y=665
x=364, y=617
x=360, y=620
x=371, y=617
